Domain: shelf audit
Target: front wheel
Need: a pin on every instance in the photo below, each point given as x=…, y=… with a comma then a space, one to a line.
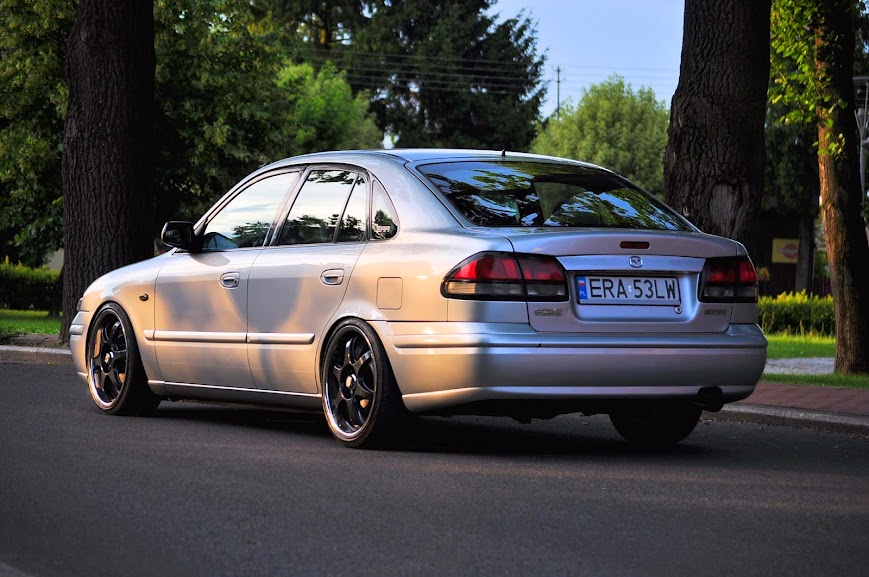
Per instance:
x=116, y=377
x=656, y=426
x=361, y=399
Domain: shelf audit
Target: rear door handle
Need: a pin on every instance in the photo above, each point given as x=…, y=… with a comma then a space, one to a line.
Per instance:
x=230, y=279
x=332, y=277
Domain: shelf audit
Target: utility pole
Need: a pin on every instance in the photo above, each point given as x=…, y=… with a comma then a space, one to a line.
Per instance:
x=557, y=90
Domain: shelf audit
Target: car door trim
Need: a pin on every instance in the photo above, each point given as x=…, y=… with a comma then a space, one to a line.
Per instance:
x=196, y=336
x=280, y=338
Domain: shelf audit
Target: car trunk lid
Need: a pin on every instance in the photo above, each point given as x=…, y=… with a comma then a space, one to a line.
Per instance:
x=627, y=281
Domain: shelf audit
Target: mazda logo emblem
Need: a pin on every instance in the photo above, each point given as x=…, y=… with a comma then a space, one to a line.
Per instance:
x=636, y=262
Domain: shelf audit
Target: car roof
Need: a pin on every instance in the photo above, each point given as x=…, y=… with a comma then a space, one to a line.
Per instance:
x=419, y=155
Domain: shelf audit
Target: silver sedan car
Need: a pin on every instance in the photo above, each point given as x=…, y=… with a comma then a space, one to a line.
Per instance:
x=379, y=285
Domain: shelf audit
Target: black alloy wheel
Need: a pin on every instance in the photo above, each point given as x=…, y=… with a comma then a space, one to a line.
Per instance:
x=116, y=378
x=361, y=400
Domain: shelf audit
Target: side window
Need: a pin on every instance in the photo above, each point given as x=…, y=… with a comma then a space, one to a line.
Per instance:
x=245, y=220
x=384, y=222
x=353, y=222
x=318, y=207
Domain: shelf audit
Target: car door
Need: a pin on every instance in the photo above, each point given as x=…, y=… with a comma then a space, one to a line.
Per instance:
x=202, y=298
x=297, y=284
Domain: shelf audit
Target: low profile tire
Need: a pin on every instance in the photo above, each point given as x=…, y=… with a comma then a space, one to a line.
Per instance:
x=361, y=399
x=116, y=377
x=656, y=426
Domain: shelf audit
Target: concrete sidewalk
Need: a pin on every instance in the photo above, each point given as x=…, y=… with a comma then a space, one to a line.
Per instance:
x=837, y=409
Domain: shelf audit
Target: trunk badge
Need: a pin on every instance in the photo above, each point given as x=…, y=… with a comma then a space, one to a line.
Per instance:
x=636, y=262
x=548, y=312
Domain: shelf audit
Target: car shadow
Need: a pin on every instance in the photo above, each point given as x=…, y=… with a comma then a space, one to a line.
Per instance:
x=564, y=436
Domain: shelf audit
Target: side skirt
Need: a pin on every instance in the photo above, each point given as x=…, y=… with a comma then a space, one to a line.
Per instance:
x=303, y=401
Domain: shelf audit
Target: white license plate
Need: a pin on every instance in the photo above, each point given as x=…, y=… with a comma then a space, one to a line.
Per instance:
x=603, y=290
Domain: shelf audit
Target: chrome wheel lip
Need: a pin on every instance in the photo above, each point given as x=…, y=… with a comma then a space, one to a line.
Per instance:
x=108, y=360
x=349, y=376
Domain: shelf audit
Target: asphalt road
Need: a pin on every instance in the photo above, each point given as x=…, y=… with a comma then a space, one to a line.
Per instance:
x=202, y=490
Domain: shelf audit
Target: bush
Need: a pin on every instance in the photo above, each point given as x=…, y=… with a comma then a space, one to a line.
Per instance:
x=24, y=288
x=797, y=313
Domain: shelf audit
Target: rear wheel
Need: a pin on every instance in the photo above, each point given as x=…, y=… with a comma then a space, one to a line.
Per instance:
x=361, y=399
x=656, y=426
x=116, y=377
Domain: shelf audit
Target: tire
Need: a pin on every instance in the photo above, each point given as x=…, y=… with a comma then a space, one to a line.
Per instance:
x=116, y=377
x=656, y=426
x=361, y=399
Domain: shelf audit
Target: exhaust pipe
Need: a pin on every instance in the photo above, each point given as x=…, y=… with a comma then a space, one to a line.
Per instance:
x=710, y=399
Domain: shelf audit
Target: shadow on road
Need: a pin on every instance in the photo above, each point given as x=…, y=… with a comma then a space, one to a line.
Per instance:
x=567, y=435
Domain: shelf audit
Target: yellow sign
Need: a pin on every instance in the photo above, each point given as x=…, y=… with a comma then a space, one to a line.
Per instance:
x=785, y=250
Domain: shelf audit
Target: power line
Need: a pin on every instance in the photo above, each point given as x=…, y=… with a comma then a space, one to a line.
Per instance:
x=509, y=63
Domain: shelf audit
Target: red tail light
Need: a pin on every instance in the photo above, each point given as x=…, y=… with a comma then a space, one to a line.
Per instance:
x=728, y=279
x=507, y=276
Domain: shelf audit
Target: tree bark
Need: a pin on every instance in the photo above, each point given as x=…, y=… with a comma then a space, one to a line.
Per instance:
x=841, y=197
x=713, y=168
x=806, y=260
x=107, y=157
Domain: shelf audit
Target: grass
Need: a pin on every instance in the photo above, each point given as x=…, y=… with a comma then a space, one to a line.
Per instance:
x=850, y=381
x=782, y=346
x=26, y=322
x=787, y=346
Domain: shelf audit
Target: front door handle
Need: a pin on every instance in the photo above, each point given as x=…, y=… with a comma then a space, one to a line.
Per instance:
x=332, y=277
x=230, y=280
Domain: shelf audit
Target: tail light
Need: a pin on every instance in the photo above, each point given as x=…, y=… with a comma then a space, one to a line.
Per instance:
x=728, y=280
x=507, y=277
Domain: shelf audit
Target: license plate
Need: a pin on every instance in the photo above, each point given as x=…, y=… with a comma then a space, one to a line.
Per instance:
x=603, y=290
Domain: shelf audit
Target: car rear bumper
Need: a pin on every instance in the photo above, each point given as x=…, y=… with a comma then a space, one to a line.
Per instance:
x=443, y=365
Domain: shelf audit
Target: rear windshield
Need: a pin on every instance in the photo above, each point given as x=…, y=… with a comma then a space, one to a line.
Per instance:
x=512, y=193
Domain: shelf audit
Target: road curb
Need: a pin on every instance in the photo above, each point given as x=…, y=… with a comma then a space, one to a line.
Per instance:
x=48, y=356
x=815, y=420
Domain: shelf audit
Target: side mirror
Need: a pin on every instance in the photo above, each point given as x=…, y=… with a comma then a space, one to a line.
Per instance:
x=180, y=234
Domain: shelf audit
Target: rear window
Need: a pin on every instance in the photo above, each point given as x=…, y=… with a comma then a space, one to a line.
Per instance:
x=540, y=194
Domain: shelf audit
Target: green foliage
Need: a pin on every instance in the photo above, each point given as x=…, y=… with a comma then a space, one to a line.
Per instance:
x=800, y=80
x=22, y=287
x=440, y=74
x=797, y=313
x=32, y=110
x=220, y=110
x=326, y=115
x=797, y=82
x=230, y=102
x=615, y=127
x=223, y=109
x=791, y=182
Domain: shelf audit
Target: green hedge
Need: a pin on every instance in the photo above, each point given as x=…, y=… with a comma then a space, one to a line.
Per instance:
x=797, y=313
x=24, y=288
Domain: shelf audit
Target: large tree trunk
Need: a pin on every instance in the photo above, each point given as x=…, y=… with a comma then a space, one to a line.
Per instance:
x=841, y=196
x=806, y=259
x=713, y=169
x=107, y=156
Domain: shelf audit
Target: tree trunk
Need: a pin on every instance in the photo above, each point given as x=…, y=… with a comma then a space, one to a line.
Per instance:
x=56, y=306
x=107, y=156
x=713, y=168
x=806, y=260
x=841, y=197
